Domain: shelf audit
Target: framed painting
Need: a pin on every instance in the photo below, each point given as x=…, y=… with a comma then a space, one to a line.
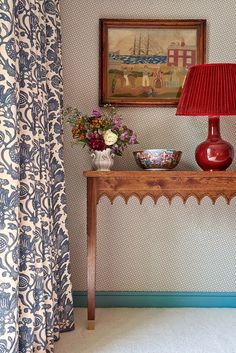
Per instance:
x=144, y=62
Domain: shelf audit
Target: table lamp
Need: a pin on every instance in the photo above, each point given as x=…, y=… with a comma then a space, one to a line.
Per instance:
x=210, y=90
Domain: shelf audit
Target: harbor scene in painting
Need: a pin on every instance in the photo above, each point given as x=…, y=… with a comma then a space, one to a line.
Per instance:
x=149, y=63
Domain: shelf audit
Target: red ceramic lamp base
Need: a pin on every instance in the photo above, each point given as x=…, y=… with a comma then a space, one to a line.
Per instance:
x=214, y=153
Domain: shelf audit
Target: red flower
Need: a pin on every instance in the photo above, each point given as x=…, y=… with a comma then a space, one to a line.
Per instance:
x=97, y=144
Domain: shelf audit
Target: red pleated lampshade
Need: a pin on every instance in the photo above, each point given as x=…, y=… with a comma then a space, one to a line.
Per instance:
x=209, y=89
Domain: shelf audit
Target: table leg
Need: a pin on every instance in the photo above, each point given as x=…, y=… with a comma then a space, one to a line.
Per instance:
x=91, y=243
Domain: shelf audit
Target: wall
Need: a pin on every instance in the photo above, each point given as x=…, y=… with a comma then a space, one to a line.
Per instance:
x=152, y=247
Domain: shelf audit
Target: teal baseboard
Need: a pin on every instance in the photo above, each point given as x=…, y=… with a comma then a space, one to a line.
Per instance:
x=158, y=299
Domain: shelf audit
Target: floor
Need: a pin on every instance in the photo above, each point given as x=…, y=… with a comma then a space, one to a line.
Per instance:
x=174, y=330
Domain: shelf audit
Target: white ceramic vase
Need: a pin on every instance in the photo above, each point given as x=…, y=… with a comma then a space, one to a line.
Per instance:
x=102, y=160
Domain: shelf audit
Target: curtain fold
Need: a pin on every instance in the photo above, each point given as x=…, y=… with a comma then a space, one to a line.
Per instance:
x=35, y=287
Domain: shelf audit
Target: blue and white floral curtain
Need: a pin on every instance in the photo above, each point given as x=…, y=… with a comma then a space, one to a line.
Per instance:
x=35, y=287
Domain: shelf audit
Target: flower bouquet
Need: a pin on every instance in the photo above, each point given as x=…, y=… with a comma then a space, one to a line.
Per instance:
x=102, y=131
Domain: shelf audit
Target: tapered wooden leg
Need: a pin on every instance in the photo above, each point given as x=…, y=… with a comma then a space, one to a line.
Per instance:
x=91, y=325
x=91, y=238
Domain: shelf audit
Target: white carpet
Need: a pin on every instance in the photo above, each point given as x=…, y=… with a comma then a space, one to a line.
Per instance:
x=122, y=330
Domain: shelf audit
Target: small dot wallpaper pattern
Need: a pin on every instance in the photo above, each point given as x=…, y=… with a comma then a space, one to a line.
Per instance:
x=148, y=247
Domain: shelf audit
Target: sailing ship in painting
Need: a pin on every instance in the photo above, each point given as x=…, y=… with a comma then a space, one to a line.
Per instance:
x=142, y=52
x=149, y=70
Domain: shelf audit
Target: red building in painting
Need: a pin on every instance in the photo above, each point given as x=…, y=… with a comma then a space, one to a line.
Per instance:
x=181, y=55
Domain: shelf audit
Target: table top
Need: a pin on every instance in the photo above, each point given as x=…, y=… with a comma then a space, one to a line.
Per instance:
x=162, y=183
x=159, y=173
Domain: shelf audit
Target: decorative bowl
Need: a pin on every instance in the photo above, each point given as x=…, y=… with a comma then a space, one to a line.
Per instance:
x=157, y=159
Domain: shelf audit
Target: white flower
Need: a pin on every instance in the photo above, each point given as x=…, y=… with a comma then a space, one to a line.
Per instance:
x=110, y=137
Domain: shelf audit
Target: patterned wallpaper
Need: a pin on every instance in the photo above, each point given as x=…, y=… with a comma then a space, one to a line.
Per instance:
x=149, y=247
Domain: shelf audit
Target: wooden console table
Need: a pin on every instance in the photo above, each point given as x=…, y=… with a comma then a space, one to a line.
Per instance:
x=146, y=183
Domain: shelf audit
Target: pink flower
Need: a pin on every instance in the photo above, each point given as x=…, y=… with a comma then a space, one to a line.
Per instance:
x=96, y=113
x=124, y=135
x=133, y=140
x=117, y=121
x=90, y=135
